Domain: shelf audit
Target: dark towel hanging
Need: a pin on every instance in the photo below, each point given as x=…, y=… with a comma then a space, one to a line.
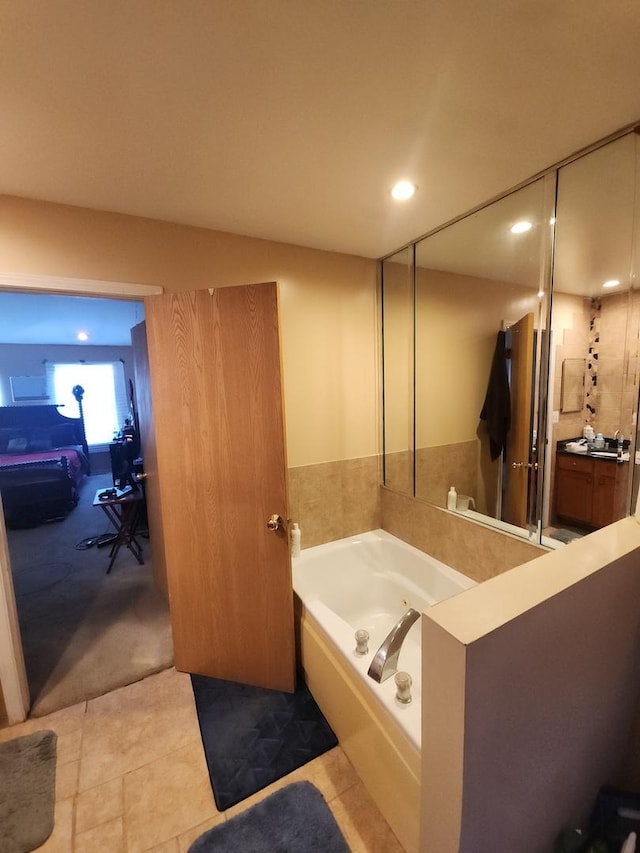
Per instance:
x=496, y=410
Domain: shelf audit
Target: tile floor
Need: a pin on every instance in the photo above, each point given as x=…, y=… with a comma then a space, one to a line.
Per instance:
x=131, y=776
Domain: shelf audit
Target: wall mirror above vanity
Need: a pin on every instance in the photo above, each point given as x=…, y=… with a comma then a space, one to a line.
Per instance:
x=572, y=387
x=502, y=349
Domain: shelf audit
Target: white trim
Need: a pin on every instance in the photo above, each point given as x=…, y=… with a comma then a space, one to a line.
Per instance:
x=13, y=675
x=52, y=283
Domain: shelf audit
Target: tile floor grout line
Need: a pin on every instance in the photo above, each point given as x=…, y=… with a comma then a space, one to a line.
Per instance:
x=138, y=766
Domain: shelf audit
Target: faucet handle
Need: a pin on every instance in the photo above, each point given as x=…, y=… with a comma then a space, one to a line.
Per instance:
x=403, y=682
x=362, y=641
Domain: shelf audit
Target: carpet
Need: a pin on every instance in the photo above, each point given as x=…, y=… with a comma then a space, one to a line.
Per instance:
x=295, y=819
x=84, y=632
x=252, y=736
x=27, y=792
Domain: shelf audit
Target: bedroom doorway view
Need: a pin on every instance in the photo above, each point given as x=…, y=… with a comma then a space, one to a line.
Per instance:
x=84, y=631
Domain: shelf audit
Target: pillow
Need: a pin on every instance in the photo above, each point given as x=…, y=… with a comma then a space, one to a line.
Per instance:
x=39, y=439
x=62, y=435
x=38, y=444
x=17, y=445
x=5, y=434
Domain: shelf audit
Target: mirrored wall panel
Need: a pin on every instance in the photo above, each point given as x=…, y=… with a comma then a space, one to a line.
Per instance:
x=594, y=342
x=479, y=313
x=398, y=372
x=512, y=354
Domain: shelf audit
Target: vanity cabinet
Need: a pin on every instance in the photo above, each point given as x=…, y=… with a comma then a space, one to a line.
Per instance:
x=590, y=491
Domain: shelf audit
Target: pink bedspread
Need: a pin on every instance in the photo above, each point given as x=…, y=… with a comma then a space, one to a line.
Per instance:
x=75, y=458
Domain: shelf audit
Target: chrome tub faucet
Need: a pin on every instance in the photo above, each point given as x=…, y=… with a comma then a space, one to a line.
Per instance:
x=385, y=660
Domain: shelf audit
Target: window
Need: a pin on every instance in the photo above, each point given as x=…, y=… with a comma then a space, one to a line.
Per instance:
x=104, y=404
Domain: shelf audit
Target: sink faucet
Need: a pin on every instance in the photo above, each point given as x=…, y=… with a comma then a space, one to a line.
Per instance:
x=385, y=660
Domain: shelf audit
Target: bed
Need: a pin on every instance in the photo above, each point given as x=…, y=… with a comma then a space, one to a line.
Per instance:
x=43, y=458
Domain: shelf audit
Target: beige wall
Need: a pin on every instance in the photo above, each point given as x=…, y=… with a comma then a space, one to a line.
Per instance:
x=327, y=305
x=529, y=690
x=457, y=321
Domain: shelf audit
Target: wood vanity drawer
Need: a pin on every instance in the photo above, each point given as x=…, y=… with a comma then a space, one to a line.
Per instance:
x=568, y=462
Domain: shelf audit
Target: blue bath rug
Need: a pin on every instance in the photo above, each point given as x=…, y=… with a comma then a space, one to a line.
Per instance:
x=295, y=819
x=252, y=736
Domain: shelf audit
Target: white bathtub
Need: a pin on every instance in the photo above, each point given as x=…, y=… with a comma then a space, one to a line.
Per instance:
x=369, y=581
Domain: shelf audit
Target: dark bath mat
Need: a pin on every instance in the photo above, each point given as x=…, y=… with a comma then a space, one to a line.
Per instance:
x=295, y=819
x=27, y=788
x=252, y=736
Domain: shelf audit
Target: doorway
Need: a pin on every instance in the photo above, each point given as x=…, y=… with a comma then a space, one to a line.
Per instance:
x=83, y=632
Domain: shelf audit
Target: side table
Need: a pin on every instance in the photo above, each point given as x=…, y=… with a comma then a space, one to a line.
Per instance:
x=123, y=512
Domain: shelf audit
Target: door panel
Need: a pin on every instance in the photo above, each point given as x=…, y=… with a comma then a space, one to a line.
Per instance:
x=217, y=397
x=144, y=411
x=519, y=438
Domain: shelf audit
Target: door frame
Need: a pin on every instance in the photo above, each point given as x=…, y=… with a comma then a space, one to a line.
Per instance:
x=13, y=675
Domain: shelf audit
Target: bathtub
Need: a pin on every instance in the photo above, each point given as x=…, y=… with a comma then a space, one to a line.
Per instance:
x=369, y=581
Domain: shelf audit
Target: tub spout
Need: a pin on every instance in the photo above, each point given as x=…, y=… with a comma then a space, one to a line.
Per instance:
x=385, y=660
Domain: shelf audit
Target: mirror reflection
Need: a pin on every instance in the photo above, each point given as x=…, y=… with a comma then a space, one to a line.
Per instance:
x=397, y=326
x=573, y=375
x=524, y=391
x=594, y=328
x=478, y=318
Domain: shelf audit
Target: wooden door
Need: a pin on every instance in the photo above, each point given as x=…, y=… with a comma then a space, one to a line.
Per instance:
x=515, y=504
x=219, y=432
x=145, y=425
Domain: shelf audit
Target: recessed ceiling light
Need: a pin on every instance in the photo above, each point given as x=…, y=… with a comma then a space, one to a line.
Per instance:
x=82, y=336
x=403, y=190
x=613, y=282
x=521, y=227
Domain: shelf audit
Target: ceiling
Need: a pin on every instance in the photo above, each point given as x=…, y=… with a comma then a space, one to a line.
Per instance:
x=291, y=119
x=30, y=318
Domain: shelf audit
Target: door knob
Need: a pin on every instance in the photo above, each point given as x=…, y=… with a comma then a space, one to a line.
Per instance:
x=140, y=477
x=275, y=522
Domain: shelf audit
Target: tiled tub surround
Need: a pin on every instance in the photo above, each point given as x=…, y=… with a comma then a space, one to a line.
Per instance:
x=438, y=468
x=369, y=581
x=332, y=500
x=473, y=549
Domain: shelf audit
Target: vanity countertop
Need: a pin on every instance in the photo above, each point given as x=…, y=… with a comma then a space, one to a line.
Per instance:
x=577, y=447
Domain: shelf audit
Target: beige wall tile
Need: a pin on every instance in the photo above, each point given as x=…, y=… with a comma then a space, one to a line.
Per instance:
x=473, y=549
x=335, y=499
x=437, y=468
